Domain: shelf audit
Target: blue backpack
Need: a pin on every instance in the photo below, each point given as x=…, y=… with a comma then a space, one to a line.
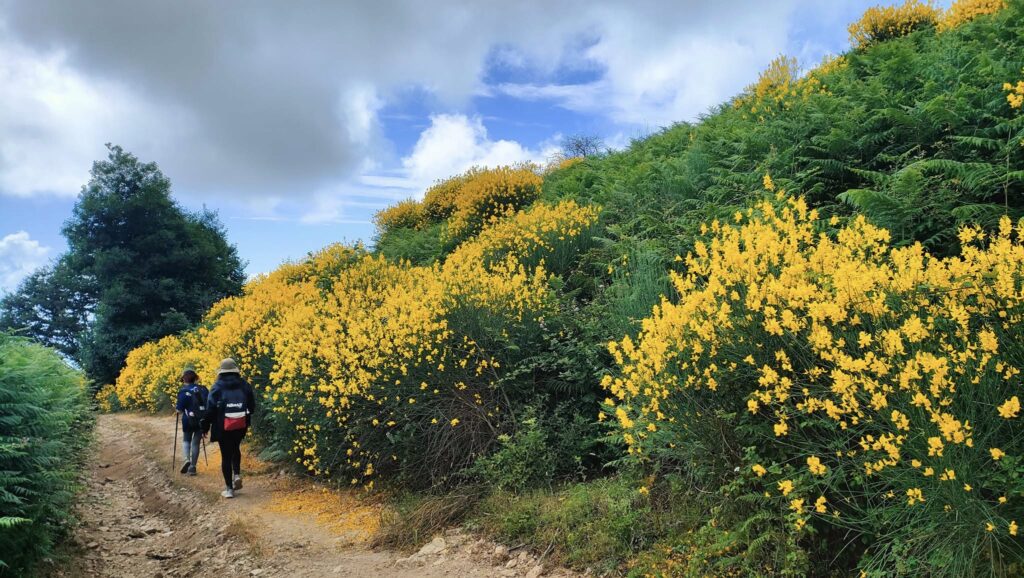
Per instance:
x=195, y=405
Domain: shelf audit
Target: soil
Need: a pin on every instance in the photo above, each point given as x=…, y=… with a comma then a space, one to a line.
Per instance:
x=138, y=517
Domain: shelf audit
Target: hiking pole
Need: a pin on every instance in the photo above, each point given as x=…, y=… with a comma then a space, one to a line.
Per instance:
x=203, y=441
x=174, y=454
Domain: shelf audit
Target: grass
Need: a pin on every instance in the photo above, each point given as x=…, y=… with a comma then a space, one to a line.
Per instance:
x=599, y=525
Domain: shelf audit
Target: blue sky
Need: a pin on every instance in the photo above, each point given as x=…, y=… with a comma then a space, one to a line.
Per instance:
x=296, y=126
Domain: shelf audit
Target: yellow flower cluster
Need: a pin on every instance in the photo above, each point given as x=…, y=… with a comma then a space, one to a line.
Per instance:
x=439, y=200
x=350, y=351
x=152, y=373
x=852, y=357
x=963, y=11
x=470, y=201
x=560, y=164
x=492, y=195
x=1014, y=93
x=778, y=87
x=884, y=22
x=405, y=214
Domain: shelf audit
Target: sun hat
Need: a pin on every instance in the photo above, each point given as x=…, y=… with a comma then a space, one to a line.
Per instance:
x=227, y=366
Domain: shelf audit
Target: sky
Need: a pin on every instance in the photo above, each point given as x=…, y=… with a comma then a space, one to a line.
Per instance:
x=297, y=121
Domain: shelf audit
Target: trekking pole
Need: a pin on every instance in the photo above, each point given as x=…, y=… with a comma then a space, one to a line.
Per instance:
x=203, y=441
x=174, y=454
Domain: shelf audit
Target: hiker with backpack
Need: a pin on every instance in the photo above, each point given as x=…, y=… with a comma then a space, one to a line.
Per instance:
x=228, y=414
x=191, y=406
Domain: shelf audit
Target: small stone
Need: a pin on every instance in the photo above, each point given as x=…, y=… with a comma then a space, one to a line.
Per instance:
x=160, y=555
x=256, y=572
x=434, y=547
x=500, y=552
x=440, y=560
x=92, y=545
x=136, y=534
x=536, y=571
x=512, y=563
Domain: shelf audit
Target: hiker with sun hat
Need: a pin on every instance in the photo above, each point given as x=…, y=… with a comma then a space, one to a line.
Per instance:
x=228, y=415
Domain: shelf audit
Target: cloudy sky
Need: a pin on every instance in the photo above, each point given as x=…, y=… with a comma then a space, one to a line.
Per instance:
x=296, y=121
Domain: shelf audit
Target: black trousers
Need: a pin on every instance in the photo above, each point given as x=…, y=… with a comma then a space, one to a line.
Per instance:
x=230, y=454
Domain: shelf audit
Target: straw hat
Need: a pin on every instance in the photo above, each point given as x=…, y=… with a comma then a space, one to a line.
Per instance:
x=227, y=366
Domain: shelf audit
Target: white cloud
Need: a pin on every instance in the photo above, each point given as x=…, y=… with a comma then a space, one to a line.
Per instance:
x=263, y=102
x=454, y=143
x=19, y=256
x=54, y=122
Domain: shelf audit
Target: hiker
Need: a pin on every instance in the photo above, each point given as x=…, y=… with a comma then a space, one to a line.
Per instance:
x=228, y=414
x=191, y=406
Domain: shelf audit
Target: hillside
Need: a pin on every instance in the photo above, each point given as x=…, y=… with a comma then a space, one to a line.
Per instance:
x=781, y=340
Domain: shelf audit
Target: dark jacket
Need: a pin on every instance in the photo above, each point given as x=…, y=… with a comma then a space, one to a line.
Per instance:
x=213, y=421
x=191, y=397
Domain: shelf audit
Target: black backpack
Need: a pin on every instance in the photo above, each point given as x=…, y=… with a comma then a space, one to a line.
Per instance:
x=236, y=408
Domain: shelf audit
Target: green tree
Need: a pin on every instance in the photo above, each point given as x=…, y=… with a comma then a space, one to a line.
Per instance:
x=150, y=268
x=52, y=306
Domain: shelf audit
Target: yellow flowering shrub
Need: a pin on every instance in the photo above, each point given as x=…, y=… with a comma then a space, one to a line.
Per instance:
x=881, y=23
x=778, y=87
x=369, y=367
x=803, y=365
x=152, y=373
x=561, y=163
x=489, y=195
x=405, y=214
x=439, y=200
x=963, y=11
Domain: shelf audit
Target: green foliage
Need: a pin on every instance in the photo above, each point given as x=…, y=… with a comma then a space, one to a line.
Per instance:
x=44, y=430
x=522, y=460
x=597, y=524
x=418, y=246
x=52, y=306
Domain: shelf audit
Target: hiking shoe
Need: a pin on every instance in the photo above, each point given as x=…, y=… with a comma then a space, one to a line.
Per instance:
x=237, y=483
x=185, y=467
x=228, y=493
x=191, y=470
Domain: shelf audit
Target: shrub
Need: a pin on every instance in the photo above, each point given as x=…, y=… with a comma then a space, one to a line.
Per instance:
x=44, y=430
x=440, y=199
x=407, y=214
x=881, y=23
x=522, y=460
x=963, y=11
x=369, y=367
x=864, y=389
x=489, y=195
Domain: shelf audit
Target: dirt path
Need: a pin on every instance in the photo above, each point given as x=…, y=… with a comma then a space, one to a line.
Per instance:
x=138, y=519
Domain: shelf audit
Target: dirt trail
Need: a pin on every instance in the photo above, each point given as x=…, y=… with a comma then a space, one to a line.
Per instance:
x=137, y=519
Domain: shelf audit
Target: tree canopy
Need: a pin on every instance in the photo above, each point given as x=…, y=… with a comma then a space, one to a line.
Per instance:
x=138, y=267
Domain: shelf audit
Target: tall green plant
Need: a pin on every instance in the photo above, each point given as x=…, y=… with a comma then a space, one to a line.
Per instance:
x=44, y=426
